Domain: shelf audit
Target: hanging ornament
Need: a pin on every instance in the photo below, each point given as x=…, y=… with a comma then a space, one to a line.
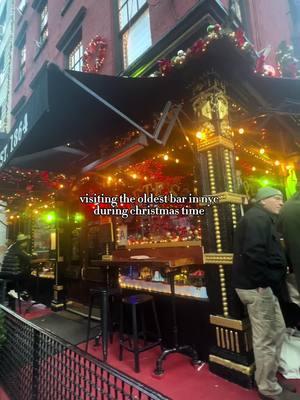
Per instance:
x=94, y=55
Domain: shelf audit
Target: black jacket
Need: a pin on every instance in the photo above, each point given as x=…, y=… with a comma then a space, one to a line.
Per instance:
x=289, y=226
x=16, y=261
x=259, y=259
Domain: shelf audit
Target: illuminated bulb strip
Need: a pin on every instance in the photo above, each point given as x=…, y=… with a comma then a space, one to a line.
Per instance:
x=215, y=209
x=223, y=290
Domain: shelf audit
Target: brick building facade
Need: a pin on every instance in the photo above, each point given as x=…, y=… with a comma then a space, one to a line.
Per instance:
x=137, y=32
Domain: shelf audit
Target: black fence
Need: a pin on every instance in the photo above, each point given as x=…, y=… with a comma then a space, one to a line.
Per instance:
x=35, y=365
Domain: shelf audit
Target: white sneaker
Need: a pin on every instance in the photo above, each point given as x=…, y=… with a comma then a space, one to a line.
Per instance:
x=13, y=294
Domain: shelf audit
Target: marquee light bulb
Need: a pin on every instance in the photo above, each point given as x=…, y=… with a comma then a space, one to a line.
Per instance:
x=200, y=135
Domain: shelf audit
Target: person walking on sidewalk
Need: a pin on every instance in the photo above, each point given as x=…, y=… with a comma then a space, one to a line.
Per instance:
x=258, y=274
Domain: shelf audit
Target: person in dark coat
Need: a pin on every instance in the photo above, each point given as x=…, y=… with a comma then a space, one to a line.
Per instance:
x=289, y=226
x=258, y=273
x=16, y=259
x=16, y=263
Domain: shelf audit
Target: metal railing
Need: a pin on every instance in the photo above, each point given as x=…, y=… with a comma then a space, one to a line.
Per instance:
x=36, y=365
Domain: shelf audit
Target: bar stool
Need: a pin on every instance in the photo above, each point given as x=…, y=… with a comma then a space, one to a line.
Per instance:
x=134, y=301
x=105, y=295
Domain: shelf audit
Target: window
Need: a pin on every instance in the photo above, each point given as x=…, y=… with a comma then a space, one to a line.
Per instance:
x=237, y=9
x=2, y=68
x=3, y=21
x=21, y=7
x=75, y=58
x=22, y=59
x=134, y=23
x=44, y=25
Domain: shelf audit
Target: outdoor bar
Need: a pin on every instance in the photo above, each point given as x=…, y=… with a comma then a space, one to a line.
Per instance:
x=209, y=131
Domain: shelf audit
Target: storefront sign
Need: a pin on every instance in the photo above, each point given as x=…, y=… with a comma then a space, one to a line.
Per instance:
x=14, y=140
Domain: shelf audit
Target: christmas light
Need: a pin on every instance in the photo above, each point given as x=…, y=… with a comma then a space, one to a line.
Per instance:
x=166, y=157
x=201, y=135
x=253, y=169
x=262, y=151
x=177, y=160
x=277, y=163
x=241, y=131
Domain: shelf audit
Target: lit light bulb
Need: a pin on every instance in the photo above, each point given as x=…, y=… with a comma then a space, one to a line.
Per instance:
x=253, y=168
x=262, y=151
x=200, y=135
x=166, y=157
x=177, y=160
x=277, y=163
x=134, y=176
x=237, y=158
x=241, y=131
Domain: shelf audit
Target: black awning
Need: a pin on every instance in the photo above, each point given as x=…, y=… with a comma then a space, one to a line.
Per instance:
x=59, y=112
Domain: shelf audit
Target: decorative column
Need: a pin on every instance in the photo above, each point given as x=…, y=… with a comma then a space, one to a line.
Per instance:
x=231, y=355
x=57, y=303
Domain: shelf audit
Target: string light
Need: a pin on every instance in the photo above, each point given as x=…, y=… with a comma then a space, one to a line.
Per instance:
x=241, y=131
x=201, y=135
x=262, y=151
x=166, y=157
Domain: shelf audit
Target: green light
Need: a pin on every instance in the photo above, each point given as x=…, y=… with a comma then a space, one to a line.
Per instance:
x=50, y=217
x=265, y=182
x=78, y=217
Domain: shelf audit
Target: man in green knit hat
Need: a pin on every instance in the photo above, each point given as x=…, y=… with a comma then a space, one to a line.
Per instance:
x=258, y=273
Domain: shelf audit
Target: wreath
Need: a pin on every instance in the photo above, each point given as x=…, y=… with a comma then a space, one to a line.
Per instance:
x=94, y=55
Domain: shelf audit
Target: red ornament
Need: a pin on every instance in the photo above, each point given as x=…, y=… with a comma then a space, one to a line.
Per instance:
x=217, y=28
x=198, y=47
x=94, y=55
x=240, y=37
x=165, y=66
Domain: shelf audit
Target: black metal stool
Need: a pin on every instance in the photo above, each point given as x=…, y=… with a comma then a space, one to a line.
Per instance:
x=134, y=301
x=105, y=295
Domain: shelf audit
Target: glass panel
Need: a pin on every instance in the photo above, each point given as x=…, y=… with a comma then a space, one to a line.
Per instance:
x=123, y=16
x=141, y=3
x=137, y=39
x=132, y=8
x=75, y=58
